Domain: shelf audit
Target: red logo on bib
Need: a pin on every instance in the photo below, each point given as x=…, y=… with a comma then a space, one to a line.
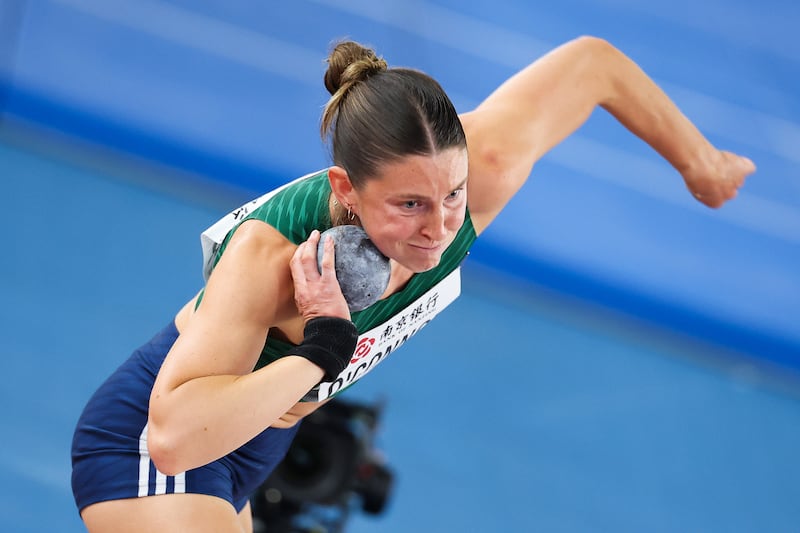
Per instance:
x=363, y=348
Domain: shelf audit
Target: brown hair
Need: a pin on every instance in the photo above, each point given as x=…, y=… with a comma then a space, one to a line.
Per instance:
x=377, y=114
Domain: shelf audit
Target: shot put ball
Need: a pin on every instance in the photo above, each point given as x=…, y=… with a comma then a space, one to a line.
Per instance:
x=362, y=270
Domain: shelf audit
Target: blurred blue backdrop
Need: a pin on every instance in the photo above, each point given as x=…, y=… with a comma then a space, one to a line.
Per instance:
x=653, y=386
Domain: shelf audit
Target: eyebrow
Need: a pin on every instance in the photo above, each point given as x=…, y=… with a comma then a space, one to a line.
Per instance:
x=413, y=196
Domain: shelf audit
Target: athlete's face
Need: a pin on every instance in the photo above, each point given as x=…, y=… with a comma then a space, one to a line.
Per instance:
x=414, y=209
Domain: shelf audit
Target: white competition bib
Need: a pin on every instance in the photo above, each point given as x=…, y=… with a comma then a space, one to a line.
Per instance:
x=212, y=238
x=376, y=344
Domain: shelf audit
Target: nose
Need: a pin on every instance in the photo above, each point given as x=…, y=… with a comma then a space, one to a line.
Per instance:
x=435, y=227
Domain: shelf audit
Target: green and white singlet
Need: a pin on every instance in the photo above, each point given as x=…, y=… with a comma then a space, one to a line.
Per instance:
x=301, y=206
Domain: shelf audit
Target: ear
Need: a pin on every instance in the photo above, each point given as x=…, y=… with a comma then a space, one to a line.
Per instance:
x=340, y=185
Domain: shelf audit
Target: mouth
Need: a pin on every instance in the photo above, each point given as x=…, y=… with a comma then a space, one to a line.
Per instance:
x=428, y=247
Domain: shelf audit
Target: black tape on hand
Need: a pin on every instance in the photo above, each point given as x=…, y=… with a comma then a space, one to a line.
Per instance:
x=329, y=343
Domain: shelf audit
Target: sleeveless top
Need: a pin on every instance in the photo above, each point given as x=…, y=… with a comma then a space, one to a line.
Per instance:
x=298, y=208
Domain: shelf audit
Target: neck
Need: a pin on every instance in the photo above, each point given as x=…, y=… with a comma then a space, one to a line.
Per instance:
x=400, y=276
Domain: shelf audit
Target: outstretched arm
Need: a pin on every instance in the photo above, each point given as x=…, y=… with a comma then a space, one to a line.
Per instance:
x=542, y=104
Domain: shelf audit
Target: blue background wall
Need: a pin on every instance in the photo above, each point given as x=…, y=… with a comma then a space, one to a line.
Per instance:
x=179, y=110
x=231, y=90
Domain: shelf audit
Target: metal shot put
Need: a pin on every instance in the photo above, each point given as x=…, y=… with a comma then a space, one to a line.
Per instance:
x=362, y=270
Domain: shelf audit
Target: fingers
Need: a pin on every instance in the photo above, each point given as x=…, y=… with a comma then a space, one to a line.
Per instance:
x=747, y=167
x=317, y=293
x=328, y=264
x=304, y=260
x=739, y=169
x=722, y=182
x=305, y=264
x=714, y=200
x=300, y=259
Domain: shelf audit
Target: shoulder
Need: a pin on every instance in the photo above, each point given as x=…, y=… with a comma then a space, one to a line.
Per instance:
x=298, y=207
x=256, y=241
x=254, y=272
x=496, y=172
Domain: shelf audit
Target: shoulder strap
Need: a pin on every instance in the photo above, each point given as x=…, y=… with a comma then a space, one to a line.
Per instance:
x=212, y=238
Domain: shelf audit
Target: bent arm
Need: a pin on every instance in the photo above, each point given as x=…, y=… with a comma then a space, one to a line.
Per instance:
x=206, y=401
x=544, y=103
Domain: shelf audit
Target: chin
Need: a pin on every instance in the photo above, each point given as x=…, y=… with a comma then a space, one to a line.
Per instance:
x=424, y=266
x=417, y=260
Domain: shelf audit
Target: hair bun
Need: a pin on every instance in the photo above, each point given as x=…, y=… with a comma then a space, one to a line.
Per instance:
x=350, y=62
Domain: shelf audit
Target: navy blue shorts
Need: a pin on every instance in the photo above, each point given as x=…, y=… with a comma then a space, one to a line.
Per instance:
x=110, y=460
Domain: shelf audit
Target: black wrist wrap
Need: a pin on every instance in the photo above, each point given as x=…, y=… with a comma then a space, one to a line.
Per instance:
x=329, y=343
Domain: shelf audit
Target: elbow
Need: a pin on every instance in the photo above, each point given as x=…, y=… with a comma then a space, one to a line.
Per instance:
x=166, y=442
x=593, y=52
x=600, y=68
x=592, y=44
x=164, y=450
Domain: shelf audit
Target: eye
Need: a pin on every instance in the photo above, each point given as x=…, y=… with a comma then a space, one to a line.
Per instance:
x=455, y=194
x=410, y=204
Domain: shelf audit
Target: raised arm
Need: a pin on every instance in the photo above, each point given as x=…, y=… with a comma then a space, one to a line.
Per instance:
x=544, y=103
x=206, y=401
